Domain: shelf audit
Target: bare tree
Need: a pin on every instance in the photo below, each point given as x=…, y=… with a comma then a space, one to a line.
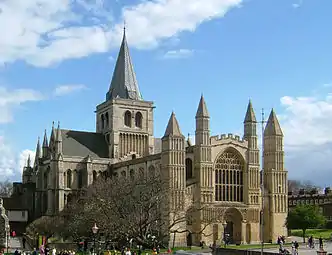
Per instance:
x=6, y=188
x=139, y=210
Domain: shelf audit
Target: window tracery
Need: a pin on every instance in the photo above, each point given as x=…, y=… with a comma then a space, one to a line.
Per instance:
x=229, y=169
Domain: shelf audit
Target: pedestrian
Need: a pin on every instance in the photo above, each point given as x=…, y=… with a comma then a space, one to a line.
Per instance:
x=321, y=243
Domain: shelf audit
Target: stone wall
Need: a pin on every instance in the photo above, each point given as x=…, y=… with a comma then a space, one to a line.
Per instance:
x=4, y=225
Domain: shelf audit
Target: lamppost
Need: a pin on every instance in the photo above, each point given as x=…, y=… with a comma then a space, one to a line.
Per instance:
x=262, y=185
x=224, y=225
x=94, y=231
x=7, y=228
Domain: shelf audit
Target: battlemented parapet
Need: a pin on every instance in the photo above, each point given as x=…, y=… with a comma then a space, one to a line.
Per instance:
x=4, y=226
x=228, y=138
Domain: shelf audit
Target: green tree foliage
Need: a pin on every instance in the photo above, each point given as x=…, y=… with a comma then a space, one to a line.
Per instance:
x=305, y=217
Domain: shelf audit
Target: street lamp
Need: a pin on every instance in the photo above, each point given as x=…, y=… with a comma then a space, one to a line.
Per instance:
x=224, y=225
x=7, y=228
x=94, y=231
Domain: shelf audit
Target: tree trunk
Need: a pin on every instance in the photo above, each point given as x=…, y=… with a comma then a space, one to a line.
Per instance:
x=303, y=235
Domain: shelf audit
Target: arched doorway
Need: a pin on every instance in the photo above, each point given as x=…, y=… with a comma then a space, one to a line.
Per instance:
x=233, y=229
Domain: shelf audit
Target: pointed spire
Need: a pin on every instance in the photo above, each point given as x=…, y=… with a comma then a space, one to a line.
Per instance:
x=250, y=115
x=272, y=125
x=45, y=142
x=189, y=143
x=38, y=151
x=124, y=83
x=52, y=138
x=29, y=161
x=58, y=134
x=202, y=109
x=173, y=128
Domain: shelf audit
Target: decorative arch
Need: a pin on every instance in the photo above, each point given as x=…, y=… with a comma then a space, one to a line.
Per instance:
x=229, y=168
x=152, y=171
x=233, y=219
x=189, y=168
x=127, y=118
x=138, y=120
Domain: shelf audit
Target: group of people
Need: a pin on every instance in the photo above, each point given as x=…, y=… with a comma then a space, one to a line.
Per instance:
x=311, y=243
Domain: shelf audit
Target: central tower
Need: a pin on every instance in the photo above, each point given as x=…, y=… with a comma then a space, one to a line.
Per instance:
x=125, y=119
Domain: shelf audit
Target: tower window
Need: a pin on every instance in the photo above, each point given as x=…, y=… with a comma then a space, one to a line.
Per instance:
x=189, y=168
x=106, y=120
x=127, y=119
x=138, y=120
x=102, y=121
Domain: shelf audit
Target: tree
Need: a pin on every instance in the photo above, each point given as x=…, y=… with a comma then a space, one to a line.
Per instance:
x=305, y=217
x=6, y=188
x=46, y=226
x=130, y=210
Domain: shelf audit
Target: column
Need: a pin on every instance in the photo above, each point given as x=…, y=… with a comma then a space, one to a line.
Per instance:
x=243, y=232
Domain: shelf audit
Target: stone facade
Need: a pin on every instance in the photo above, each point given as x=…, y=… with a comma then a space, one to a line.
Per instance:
x=220, y=174
x=4, y=226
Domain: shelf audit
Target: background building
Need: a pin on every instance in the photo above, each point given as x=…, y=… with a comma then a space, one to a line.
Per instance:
x=313, y=197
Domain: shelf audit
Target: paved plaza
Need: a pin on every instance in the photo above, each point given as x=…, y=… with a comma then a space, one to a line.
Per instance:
x=303, y=249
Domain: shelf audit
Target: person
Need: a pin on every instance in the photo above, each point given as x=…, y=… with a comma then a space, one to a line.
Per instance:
x=321, y=243
x=296, y=247
x=23, y=242
x=128, y=252
x=53, y=251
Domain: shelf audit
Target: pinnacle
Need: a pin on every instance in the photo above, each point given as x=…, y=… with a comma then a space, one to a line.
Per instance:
x=202, y=110
x=173, y=128
x=124, y=83
x=273, y=126
x=250, y=114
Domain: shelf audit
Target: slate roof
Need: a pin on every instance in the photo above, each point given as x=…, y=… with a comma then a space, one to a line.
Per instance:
x=82, y=144
x=124, y=83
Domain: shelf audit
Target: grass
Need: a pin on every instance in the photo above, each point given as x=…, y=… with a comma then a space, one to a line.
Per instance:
x=316, y=233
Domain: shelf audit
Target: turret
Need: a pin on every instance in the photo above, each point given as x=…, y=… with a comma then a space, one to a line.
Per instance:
x=38, y=153
x=275, y=180
x=252, y=186
x=58, y=141
x=52, y=140
x=45, y=146
x=173, y=173
x=203, y=170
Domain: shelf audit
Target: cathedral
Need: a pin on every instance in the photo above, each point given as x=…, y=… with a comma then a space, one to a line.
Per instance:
x=220, y=173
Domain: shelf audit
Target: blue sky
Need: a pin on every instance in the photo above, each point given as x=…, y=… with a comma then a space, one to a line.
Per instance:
x=57, y=61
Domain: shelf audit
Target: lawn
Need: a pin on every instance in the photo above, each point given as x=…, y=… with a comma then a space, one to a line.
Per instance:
x=316, y=233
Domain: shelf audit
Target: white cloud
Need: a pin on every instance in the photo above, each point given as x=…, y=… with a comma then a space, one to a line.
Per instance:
x=11, y=164
x=298, y=4
x=181, y=53
x=68, y=89
x=307, y=126
x=11, y=99
x=45, y=32
x=23, y=158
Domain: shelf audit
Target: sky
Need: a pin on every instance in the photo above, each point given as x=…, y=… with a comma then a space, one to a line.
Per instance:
x=57, y=58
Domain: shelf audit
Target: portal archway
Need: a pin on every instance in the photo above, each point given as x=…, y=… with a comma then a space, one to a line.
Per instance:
x=233, y=219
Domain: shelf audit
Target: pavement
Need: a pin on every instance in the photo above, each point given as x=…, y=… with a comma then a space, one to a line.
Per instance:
x=16, y=243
